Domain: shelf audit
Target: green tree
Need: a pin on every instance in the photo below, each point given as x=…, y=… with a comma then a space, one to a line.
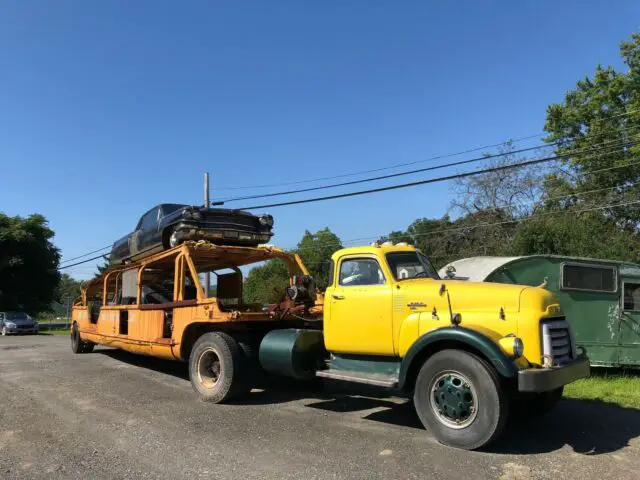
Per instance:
x=28, y=264
x=266, y=283
x=315, y=250
x=67, y=287
x=601, y=112
x=589, y=234
x=105, y=265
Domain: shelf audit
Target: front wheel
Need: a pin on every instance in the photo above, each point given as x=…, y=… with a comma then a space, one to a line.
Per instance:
x=460, y=399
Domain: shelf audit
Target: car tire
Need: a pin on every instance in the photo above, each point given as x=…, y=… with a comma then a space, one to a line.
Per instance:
x=77, y=344
x=460, y=399
x=216, y=368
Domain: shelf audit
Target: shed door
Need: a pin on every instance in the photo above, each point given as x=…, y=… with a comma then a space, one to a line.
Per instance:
x=629, y=326
x=589, y=294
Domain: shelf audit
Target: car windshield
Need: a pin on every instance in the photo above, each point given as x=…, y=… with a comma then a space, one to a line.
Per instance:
x=168, y=208
x=17, y=316
x=414, y=264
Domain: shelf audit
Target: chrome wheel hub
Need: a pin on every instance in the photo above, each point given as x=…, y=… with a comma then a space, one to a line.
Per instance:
x=208, y=368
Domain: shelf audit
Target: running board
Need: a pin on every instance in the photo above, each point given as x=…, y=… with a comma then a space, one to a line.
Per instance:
x=359, y=377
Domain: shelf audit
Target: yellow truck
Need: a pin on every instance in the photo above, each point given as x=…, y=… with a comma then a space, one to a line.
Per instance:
x=466, y=353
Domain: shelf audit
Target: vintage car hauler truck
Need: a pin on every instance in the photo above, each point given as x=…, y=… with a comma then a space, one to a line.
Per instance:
x=465, y=352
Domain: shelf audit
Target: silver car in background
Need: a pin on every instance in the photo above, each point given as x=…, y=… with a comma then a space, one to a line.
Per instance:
x=17, y=322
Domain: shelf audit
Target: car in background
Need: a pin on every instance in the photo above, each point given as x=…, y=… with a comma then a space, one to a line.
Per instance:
x=169, y=224
x=17, y=322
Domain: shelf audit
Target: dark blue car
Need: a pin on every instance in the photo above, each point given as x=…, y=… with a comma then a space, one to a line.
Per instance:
x=169, y=224
x=17, y=322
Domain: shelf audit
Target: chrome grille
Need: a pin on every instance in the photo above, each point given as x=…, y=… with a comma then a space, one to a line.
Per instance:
x=557, y=341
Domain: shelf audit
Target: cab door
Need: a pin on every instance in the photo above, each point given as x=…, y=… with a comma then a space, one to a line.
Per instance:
x=360, y=313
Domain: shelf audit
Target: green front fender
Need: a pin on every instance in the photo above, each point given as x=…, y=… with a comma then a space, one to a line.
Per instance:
x=429, y=343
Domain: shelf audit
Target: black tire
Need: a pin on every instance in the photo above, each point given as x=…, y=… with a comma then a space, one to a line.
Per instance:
x=77, y=344
x=217, y=368
x=534, y=405
x=472, y=405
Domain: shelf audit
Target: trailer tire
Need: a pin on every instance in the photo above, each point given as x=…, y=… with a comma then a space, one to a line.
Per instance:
x=460, y=399
x=77, y=344
x=216, y=367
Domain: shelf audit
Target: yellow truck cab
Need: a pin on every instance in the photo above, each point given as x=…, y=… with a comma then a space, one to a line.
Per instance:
x=464, y=352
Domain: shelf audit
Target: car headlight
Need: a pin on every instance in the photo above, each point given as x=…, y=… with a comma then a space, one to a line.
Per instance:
x=513, y=346
x=11, y=325
x=266, y=220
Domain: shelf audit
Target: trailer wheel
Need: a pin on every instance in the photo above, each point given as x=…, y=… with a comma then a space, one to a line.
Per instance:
x=216, y=367
x=77, y=344
x=460, y=400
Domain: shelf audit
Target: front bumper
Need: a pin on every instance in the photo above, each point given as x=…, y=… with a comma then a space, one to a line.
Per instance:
x=545, y=379
x=16, y=330
x=225, y=235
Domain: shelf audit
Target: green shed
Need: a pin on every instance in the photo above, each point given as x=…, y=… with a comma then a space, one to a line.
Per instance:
x=600, y=298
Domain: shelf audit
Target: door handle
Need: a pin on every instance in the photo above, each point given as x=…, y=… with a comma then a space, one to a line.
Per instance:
x=338, y=297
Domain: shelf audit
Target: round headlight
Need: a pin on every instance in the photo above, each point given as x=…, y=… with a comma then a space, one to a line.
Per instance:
x=518, y=348
x=512, y=346
x=266, y=220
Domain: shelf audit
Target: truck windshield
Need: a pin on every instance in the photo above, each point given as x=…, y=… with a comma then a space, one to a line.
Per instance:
x=405, y=265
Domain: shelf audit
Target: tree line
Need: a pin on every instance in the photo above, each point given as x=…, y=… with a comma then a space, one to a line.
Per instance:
x=585, y=203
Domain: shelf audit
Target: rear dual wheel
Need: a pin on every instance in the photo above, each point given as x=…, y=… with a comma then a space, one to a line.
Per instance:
x=460, y=399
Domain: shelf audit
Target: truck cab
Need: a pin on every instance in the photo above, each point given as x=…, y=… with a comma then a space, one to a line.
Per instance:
x=465, y=352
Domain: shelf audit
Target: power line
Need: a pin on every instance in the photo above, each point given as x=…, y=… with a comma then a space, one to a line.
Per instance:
x=86, y=254
x=373, y=170
x=439, y=157
x=382, y=177
x=80, y=263
x=426, y=181
x=542, y=200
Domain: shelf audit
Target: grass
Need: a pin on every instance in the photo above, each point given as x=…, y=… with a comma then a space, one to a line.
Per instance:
x=622, y=389
x=55, y=331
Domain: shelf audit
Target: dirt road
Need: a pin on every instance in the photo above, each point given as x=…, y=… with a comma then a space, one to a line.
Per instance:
x=110, y=414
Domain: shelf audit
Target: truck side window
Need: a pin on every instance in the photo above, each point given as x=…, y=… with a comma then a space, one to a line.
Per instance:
x=360, y=271
x=632, y=296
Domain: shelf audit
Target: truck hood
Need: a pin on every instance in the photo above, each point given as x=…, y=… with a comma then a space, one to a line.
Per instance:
x=465, y=296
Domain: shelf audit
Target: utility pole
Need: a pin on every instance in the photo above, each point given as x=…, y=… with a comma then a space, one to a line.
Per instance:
x=207, y=276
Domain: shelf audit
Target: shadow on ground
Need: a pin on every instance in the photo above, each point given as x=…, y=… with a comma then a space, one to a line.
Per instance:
x=588, y=427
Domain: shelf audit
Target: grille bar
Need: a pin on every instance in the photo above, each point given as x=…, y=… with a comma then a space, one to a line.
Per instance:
x=556, y=340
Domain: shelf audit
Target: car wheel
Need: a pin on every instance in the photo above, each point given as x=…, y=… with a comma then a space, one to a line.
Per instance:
x=460, y=399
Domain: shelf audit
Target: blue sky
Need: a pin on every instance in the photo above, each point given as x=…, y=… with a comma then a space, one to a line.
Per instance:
x=107, y=108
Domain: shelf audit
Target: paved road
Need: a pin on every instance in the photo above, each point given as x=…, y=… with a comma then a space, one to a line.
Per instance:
x=110, y=414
